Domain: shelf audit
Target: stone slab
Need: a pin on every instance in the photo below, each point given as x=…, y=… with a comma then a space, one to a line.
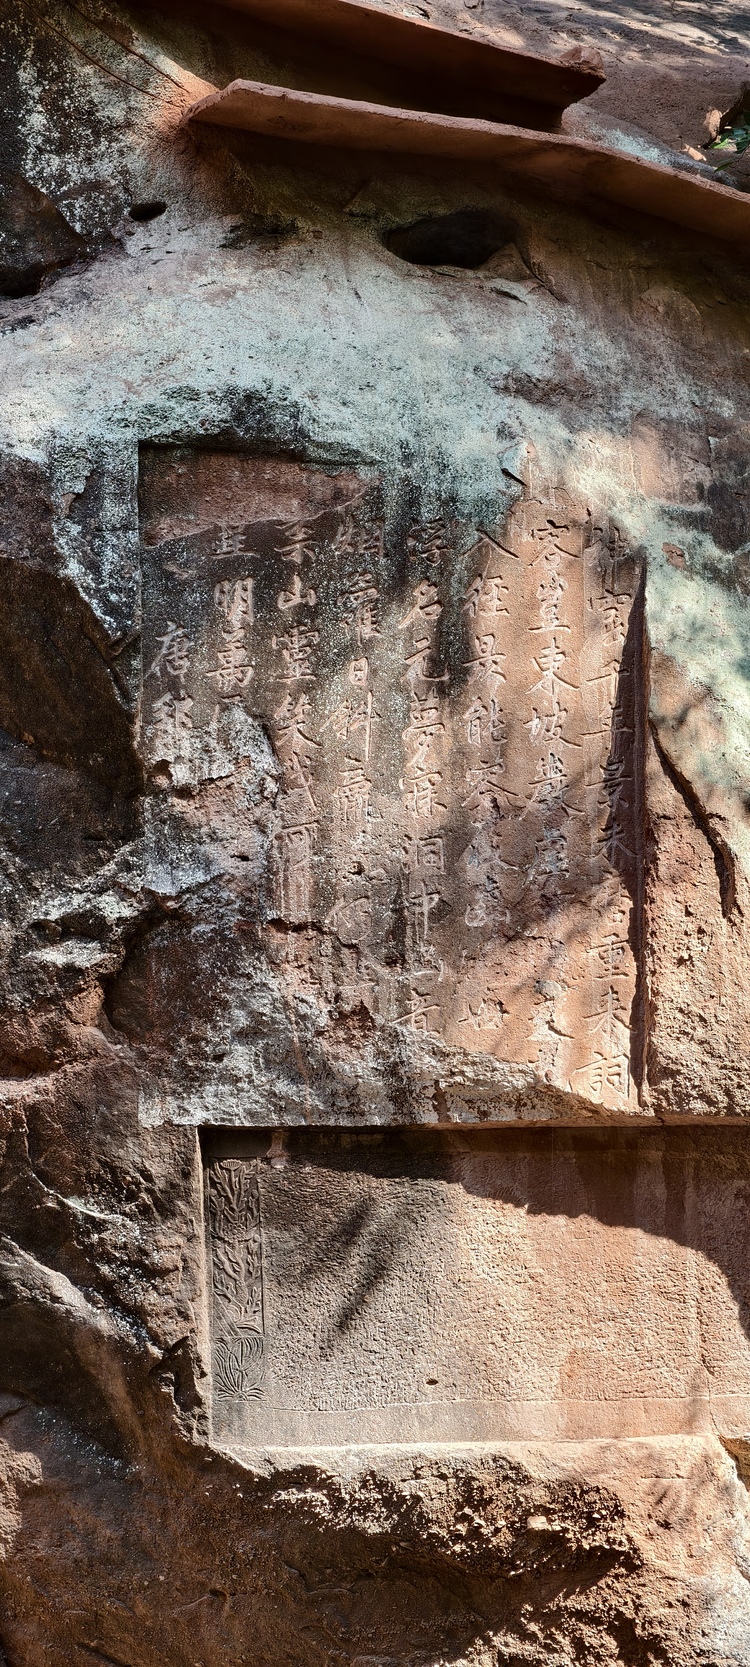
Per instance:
x=569, y=167
x=386, y=1288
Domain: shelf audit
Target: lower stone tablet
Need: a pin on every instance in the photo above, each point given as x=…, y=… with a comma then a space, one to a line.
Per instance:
x=475, y=1286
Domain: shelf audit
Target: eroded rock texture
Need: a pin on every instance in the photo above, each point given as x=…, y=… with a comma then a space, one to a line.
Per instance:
x=374, y=649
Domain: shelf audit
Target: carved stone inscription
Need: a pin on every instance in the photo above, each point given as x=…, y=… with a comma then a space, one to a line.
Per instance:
x=454, y=714
x=413, y=1280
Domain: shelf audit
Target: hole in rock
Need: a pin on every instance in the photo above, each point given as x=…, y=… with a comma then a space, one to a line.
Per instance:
x=146, y=211
x=468, y=238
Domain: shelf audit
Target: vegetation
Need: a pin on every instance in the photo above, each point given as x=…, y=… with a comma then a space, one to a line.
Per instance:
x=734, y=131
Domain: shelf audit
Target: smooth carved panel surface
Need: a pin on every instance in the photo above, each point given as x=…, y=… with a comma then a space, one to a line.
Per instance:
x=454, y=714
x=490, y=1285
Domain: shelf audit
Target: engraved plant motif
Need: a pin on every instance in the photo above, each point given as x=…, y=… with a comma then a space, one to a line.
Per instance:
x=237, y=1276
x=239, y=1364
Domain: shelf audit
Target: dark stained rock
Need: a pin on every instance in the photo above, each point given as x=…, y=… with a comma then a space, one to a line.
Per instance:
x=35, y=238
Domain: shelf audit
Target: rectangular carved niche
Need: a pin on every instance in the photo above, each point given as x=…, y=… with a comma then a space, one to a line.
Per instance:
x=477, y=1285
x=451, y=839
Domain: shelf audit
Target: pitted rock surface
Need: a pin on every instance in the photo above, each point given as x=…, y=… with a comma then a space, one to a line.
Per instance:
x=374, y=746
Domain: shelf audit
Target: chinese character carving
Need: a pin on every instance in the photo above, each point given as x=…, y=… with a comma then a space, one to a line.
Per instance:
x=233, y=669
x=174, y=654
x=172, y=726
x=296, y=651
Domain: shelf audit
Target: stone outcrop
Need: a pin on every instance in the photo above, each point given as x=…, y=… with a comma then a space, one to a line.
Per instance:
x=374, y=661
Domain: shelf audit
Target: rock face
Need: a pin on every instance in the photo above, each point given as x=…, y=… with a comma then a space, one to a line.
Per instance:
x=375, y=738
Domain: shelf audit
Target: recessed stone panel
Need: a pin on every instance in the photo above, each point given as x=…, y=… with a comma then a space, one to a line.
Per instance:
x=438, y=1286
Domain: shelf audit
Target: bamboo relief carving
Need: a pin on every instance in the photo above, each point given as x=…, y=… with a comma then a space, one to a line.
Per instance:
x=237, y=1278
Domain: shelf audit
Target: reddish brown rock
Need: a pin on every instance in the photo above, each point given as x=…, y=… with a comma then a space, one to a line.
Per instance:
x=374, y=858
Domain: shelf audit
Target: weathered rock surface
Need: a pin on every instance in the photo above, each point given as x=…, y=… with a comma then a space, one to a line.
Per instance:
x=374, y=853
